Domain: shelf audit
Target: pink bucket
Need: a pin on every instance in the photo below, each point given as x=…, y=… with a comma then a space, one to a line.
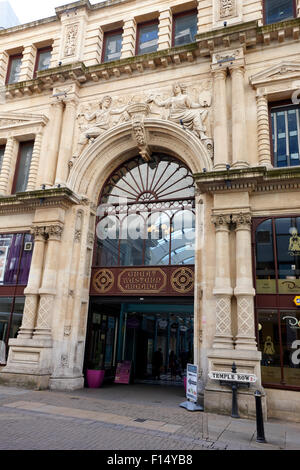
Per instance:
x=94, y=378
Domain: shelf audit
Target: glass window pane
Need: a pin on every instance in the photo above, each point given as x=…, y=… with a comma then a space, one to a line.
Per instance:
x=2, y=150
x=15, y=69
x=183, y=238
x=5, y=312
x=290, y=337
x=281, y=139
x=185, y=29
x=265, y=263
x=110, y=341
x=113, y=46
x=26, y=150
x=288, y=255
x=293, y=137
x=278, y=10
x=107, y=247
x=26, y=259
x=148, y=38
x=269, y=345
x=157, y=247
x=17, y=317
x=44, y=59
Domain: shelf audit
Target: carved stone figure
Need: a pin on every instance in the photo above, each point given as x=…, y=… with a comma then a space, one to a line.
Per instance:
x=183, y=111
x=71, y=40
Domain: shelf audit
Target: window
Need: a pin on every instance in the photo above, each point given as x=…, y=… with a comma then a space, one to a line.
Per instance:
x=2, y=151
x=277, y=243
x=14, y=69
x=23, y=167
x=184, y=28
x=147, y=37
x=279, y=10
x=15, y=258
x=156, y=224
x=43, y=59
x=112, y=46
x=285, y=122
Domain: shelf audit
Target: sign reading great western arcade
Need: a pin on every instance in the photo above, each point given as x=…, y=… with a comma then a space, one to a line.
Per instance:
x=167, y=280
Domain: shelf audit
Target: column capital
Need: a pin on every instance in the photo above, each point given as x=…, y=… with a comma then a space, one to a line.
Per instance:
x=237, y=69
x=39, y=233
x=219, y=73
x=242, y=220
x=221, y=221
x=54, y=232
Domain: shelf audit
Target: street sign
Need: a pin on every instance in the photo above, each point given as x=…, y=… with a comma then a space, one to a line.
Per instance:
x=297, y=300
x=232, y=377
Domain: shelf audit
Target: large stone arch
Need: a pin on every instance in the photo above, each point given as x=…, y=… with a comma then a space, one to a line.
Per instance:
x=115, y=146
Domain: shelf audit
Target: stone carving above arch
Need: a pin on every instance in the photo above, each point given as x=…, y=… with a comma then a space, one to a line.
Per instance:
x=91, y=169
x=187, y=107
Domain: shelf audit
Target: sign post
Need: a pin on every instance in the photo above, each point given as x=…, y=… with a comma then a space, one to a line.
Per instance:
x=191, y=389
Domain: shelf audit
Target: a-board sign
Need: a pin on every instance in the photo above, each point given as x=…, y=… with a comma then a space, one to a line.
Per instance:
x=123, y=372
x=232, y=377
x=191, y=382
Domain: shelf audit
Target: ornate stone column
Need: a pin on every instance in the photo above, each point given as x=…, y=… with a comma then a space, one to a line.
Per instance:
x=223, y=290
x=48, y=290
x=53, y=140
x=66, y=143
x=34, y=284
x=239, y=134
x=165, y=29
x=129, y=36
x=220, y=120
x=244, y=290
x=35, y=159
x=263, y=131
x=8, y=164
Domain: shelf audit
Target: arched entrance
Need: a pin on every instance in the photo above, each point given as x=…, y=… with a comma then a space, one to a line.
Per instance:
x=142, y=287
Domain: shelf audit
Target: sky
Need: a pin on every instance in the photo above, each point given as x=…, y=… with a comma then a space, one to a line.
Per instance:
x=31, y=10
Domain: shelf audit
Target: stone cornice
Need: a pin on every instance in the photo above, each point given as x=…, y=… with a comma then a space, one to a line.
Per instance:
x=31, y=200
x=256, y=179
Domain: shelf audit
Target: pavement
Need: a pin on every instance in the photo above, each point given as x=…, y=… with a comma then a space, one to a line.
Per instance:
x=126, y=417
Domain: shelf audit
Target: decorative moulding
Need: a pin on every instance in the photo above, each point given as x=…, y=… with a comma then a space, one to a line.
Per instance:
x=285, y=70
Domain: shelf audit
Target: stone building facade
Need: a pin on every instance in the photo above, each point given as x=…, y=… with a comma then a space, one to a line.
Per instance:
x=212, y=85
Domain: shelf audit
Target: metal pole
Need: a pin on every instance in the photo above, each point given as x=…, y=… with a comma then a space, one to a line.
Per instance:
x=260, y=433
x=234, y=411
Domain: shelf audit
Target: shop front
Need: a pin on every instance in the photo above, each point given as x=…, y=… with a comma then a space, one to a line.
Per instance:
x=142, y=283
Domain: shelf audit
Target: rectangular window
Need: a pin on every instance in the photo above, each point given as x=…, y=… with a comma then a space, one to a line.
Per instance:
x=23, y=167
x=279, y=10
x=184, y=28
x=43, y=59
x=2, y=151
x=112, y=46
x=147, y=37
x=285, y=123
x=15, y=258
x=14, y=69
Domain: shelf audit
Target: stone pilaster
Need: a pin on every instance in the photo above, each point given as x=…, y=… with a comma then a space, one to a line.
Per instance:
x=28, y=62
x=220, y=120
x=244, y=291
x=223, y=290
x=53, y=141
x=239, y=134
x=34, y=284
x=4, y=58
x=129, y=38
x=165, y=29
x=48, y=290
x=263, y=131
x=8, y=165
x=34, y=167
x=66, y=143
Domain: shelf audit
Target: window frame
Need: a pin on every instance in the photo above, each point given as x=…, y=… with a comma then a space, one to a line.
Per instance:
x=138, y=34
x=38, y=53
x=105, y=36
x=265, y=13
x=10, y=61
x=2, y=147
x=279, y=104
x=174, y=17
x=17, y=167
x=277, y=301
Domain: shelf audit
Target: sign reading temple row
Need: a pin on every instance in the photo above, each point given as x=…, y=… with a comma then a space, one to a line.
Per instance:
x=232, y=377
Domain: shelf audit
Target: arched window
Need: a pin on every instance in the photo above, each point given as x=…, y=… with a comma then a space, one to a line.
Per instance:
x=146, y=215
